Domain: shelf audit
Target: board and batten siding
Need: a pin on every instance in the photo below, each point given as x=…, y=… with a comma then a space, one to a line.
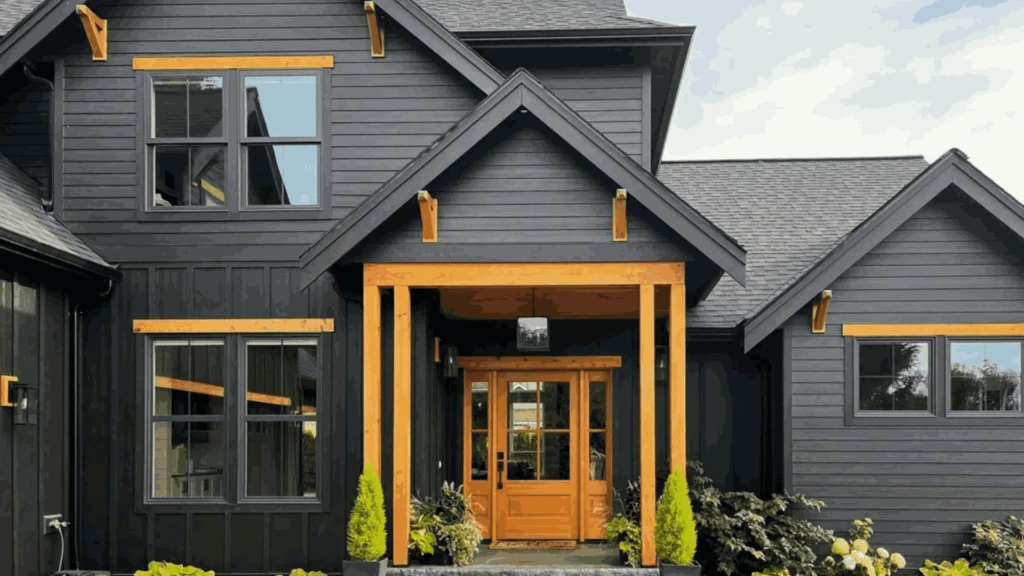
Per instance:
x=923, y=485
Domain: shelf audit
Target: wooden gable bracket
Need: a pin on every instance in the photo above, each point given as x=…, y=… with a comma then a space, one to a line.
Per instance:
x=95, y=31
x=619, y=230
x=428, y=214
x=376, y=30
x=819, y=312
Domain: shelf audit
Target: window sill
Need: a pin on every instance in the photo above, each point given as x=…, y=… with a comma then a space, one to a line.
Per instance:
x=248, y=506
x=304, y=213
x=933, y=421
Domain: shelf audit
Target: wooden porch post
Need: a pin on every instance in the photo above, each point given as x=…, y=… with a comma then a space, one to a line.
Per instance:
x=371, y=376
x=402, y=426
x=648, y=556
x=677, y=378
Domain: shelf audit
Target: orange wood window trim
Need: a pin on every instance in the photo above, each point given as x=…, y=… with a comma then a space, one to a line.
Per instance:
x=819, y=312
x=437, y=275
x=647, y=456
x=371, y=378
x=234, y=326
x=891, y=330
x=677, y=378
x=402, y=448
x=95, y=32
x=539, y=362
x=376, y=30
x=428, y=215
x=620, y=230
x=233, y=62
x=5, y=391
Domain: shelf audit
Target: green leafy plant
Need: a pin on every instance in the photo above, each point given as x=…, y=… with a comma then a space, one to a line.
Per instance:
x=998, y=547
x=858, y=558
x=772, y=572
x=423, y=524
x=168, y=569
x=959, y=568
x=675, y=534
x=367, y=537
x=625, y=533
x=301, y=572
x=739, y=533
x=458, y=532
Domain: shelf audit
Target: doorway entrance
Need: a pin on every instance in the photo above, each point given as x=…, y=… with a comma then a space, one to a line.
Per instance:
x=537, y=446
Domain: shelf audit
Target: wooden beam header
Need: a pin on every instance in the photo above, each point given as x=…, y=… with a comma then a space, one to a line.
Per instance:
x=896, y=330
x=233, y=62
x=234, y=326
x=539, y=362
x=95, y=32
x=523, y=274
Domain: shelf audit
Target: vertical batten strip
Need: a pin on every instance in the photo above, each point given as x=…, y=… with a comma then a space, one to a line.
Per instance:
x=677, y=378
x=402, y=418
x=647, y=417
x=371, y=377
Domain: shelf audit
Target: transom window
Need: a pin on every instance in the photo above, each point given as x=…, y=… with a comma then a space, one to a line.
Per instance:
x=984, y=376
x=233, y=141
x=893, y=377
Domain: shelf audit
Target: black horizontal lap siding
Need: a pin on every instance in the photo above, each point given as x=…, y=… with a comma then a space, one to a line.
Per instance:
x=25, y=124
x=922, y=483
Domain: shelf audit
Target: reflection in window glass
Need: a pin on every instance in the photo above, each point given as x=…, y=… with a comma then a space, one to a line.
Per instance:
x=188, y=176
x=598, y=417
x=188, y=107
x=281, y=175
x=894, y=376
x=280, y=106
x=188, y=460
x=281, y=377
x=478, y=406
x=555, y=459
x=522, y=456
x=189, y=378
x=522, y=406
x=985, y=376
x=281, y=459
x=554, y=402
x=478, y=458
x=598, y=455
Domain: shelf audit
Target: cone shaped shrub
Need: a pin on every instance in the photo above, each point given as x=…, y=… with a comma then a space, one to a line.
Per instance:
x=367, y=539
x=675, y=532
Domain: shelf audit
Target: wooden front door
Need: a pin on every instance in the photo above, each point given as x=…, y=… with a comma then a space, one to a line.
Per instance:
x=537, y=458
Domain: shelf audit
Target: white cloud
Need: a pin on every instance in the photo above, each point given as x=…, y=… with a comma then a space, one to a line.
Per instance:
x=792, y=8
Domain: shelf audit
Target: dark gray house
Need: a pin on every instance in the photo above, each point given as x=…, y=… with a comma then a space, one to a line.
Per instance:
x=247, y=247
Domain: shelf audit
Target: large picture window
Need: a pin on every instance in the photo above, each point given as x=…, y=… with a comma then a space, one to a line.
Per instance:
x=984, y=376
x=893, y=377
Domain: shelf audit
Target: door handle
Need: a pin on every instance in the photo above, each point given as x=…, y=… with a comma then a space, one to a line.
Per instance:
x=501, y=468
x=5, y=391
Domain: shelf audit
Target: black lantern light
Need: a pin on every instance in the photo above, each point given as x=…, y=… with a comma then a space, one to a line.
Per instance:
x=532, y=331
x=451, y=362
x=661, y=363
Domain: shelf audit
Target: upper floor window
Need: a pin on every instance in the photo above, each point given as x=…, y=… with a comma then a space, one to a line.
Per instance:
x=233, y=140
x=984, y=376
x=893, y=376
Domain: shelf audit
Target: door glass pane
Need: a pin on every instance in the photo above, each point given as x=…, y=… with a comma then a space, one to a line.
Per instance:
x=555, y=462
x=522, y=406
x=478, y=406
x=281, y=459
x=522, y=456
x=188, y=460
x=478, y=470
x=598, y=415
x=598, y=456
x=554, y=401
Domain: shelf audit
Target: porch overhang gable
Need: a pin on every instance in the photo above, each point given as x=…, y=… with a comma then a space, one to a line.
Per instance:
x=952, y=169
x=523, y=92
x=32, y=29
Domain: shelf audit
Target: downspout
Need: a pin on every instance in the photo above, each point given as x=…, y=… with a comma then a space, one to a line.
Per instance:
x=32, y=77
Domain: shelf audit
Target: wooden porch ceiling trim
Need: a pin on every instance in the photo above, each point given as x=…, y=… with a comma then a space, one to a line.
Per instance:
x=523, y=274
x=233, y=62
x=234, y=326
x=539, y=362
x=896, y=330
x=503, y=303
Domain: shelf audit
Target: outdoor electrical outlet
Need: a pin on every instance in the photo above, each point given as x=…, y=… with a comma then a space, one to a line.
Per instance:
x=47, y=519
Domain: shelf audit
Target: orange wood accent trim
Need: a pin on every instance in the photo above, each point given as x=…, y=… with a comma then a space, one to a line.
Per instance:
x=620, y=230
x=371, y=377
x=677, y=378
x=232, y=62
x=819, y=312
x=428, y=215
x=437, y=349
x=647, y=410
x=583, y=454
x=868, y=330
x=376, y=30
x=523, y=274
x=539, y=362
x=494, y=303
x=402, y=448
x=95, y=32
x=5, y=391
x=234, y=326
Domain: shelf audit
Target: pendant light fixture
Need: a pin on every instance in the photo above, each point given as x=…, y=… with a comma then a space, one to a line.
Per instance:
x=532, y=331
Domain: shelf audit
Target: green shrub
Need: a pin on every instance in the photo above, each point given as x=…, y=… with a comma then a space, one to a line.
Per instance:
x=959, y=568
x=773, y=572
x=739, y=533
x=458, y=532
x=998, y=547
x=168, y=569
x=301, y=572
x=423, y=524
x=625, y=533
x=675, y=535
x=367, y=538
x=858, y=557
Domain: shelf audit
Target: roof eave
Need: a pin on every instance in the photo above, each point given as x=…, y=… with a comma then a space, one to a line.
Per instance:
x=50, y=256
x=25, y=35
x=654, y=36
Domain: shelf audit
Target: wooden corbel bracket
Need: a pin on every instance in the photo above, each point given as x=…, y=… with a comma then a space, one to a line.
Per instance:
x=819, y=312
x=620, y=233
x=5, y=391
x=428, y=214
x=95, y=31
x=376, y=30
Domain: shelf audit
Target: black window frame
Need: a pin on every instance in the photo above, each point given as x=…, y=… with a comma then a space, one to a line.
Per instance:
x=853, y=378
x=234, y=499
x=978, y=414
x=235, y=204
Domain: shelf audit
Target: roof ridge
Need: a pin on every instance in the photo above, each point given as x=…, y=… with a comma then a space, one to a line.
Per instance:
x=807, y=159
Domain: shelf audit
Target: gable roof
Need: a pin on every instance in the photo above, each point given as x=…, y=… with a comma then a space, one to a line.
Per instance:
x=953, y=169
x=27, y=229
x=523, y=92
x=12, y=11
x=787, y=213
x=521, y=15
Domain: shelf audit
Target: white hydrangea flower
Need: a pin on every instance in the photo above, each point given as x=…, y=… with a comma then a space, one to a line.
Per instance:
x=849, y=563
x=882, y=553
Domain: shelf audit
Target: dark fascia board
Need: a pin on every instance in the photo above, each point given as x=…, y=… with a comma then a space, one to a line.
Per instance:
x=613, y=37
x=59, y=259
x=679, y=63
x=523, y=91
x=32, y=29
x=952, y=169
x=449, y=48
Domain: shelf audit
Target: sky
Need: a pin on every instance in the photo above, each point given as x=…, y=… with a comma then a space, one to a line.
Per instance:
x=774, y=78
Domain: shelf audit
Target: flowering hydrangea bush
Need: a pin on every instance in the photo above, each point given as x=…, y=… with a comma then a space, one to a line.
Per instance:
x=857, y=558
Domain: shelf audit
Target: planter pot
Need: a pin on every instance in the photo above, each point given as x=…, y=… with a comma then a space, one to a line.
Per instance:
x=360, y=568
x=666, y=569
x=438, y=558
x=623, y=557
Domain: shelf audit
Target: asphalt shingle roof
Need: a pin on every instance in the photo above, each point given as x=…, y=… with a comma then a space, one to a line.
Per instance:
x=23, y=220
x=787, y=214
x=532, y=15
x=12, y=11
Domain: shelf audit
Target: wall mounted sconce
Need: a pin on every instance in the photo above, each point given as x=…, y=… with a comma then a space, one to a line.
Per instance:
x=451, y=362
x=661, y=363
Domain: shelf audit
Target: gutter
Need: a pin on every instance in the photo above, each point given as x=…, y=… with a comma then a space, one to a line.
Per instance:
x=35, y=79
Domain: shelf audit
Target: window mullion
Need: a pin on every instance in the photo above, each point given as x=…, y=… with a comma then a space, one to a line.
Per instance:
x=234, y=152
